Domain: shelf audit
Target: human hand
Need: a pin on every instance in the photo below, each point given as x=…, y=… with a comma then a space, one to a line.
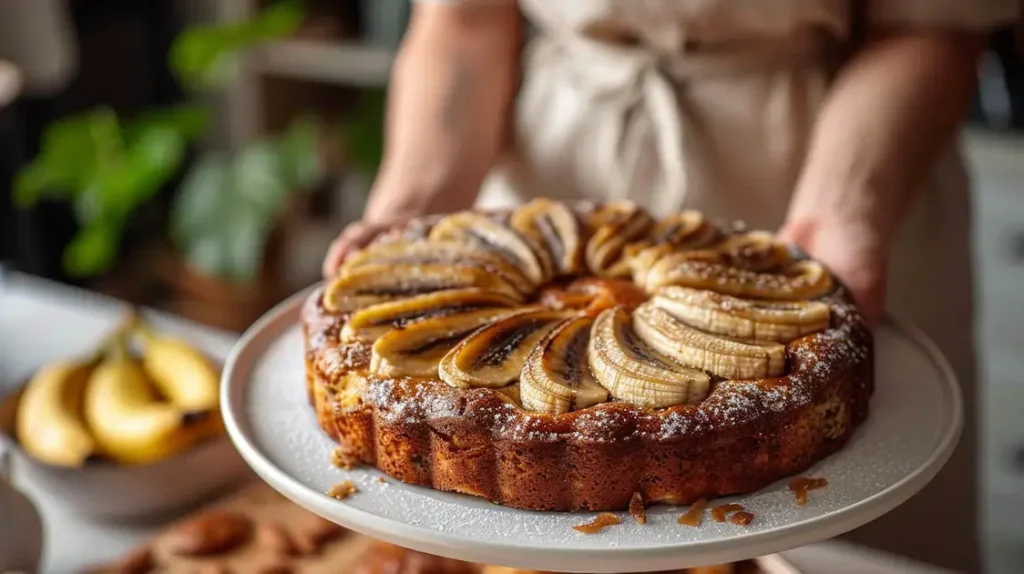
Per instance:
x=855, y=251
x=355, y=236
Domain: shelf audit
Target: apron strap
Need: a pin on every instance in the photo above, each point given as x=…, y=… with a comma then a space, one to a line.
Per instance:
x=641, y=87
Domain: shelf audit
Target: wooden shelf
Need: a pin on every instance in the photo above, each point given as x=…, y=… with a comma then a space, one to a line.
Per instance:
x=334, y=63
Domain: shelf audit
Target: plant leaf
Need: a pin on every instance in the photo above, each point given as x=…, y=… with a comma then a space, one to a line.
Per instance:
x=205, y=254
x=153, y=159
x=279, y=19
x=92, y=250
x=188, y=120
x=206, y=56
x=300, y=157
x=117, y=188
x=36, y=181
x=257, y=178
x=68, y=157
x=202, y=199
x=224, y=209
x=245, y=239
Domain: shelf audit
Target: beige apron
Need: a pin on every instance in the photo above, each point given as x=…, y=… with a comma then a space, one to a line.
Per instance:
x=714, y=112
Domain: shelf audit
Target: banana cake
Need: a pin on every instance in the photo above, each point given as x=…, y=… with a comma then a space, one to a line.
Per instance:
x=567, y=356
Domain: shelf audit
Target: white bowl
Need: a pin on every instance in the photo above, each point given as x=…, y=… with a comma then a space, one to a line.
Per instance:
x=108, y=492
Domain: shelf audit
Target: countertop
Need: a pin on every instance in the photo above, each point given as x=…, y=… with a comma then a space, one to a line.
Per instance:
x=33, y=309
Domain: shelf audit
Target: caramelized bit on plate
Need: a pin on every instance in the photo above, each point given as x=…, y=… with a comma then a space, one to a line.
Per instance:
x=742, y=518
x=637, y=508
x=802, y=485
x=693, y=516
x=598, y=523
x=720, y=512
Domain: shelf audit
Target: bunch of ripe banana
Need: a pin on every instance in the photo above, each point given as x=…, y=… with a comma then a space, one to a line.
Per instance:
x=687, y=304
x=118, y=406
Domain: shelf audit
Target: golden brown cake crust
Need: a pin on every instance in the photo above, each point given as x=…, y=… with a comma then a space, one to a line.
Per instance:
x=743, y=436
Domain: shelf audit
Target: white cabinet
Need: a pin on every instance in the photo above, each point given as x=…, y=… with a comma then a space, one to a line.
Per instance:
x=1002, y=428
x=996, y=164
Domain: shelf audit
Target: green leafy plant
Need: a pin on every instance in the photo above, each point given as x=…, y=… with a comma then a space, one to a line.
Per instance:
x=228, y=204
x=205, y=55
x=106, y=167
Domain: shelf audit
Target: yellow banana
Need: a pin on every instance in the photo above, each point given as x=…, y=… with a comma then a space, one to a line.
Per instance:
x=131, y=424
x=49, y=424
x=180, y=371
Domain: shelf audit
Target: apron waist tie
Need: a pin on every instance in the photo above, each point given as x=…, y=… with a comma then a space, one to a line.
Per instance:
x=641, y=83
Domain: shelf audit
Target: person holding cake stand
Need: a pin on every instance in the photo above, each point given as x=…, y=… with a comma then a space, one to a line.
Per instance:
x=831, y=121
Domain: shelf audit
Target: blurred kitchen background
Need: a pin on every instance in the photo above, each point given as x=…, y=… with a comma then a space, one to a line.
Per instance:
x=198, y=156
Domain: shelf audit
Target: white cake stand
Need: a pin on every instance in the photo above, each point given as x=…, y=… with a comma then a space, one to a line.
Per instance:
x=914, y=424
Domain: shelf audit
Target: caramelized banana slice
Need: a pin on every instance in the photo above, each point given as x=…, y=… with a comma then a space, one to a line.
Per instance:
x=688, y=230
x=755, y=251
x=481, y=231
x=636, y=373
x=553, y=228
x=370, y=323
x=685, y=230
x=556, y=378
x=416, y=349
x=615, y=225
x=727, y=358
x=373, y=284
x=800, y=280
x=641, y=258
x=494, y=355
x=779, y=321
x=447, y=252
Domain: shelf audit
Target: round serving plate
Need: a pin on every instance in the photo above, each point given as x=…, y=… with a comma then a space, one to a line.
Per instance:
x=913, y=426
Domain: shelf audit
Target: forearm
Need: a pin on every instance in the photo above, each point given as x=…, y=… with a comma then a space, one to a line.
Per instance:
x=451, y=93
x=890, y=114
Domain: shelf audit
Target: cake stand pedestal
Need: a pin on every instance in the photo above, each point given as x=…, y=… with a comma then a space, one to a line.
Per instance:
x=914, y=424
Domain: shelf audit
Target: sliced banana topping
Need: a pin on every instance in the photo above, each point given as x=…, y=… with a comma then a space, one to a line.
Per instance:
x=755, y=251
x=416, y=349
x=699, y=270
x=368, y=324
x=728, y=358
x=688, y=230
x=615, y=225
x=440, y=252
x=642, y=257
x=557, y=378
x=372, y=284
x=494, y=355
x=555, y=229
x=636, y=373
x=685, y=230
x=479, y=230
x=779, y=321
